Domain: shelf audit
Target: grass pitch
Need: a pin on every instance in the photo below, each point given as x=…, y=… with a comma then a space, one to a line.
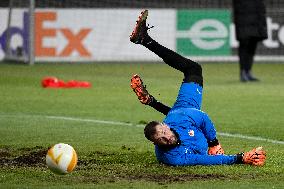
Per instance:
x=103, y=124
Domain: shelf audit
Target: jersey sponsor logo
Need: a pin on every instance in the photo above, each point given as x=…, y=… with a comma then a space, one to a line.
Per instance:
x=191, y=133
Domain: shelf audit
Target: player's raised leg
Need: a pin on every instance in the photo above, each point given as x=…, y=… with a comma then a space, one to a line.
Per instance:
x=192, y=70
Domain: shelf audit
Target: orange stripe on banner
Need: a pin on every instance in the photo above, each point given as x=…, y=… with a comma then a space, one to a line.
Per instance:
x=73, y=162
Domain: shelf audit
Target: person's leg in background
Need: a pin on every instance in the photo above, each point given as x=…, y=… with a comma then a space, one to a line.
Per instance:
x=252, y=49
x=246, y=53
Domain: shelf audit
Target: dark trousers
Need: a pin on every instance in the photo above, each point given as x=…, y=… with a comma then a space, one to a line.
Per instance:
x=246, y=53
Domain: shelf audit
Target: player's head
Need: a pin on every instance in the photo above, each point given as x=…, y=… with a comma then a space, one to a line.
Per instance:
x=160, y=134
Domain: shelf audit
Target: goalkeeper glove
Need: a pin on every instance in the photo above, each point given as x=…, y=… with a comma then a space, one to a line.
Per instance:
x=215, y=147
x=255, y=157
x=216, y=150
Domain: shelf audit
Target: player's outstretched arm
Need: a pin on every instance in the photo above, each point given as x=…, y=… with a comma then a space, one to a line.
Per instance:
x=255, y=157
x=191, y=159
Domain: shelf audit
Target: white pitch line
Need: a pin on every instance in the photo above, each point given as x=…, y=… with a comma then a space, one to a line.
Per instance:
x=138, y=125
x=250, y=138
x=91, y=120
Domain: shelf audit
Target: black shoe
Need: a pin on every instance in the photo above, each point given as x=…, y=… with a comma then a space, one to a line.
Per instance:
x=140, y=30
x=251, y=77
x=243, y=76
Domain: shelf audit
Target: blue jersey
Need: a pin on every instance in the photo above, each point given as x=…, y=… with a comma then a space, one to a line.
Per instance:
x=194, y=130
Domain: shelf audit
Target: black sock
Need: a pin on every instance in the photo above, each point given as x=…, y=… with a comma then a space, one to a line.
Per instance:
x=159, y=106
x=213, y=142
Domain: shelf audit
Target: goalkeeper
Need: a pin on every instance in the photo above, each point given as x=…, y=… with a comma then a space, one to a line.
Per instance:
x=187, y=135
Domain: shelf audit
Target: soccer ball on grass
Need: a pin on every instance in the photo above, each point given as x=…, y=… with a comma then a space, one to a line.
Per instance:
x=61, y=158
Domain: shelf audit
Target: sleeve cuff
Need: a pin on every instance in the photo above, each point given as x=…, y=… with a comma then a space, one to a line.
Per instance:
x=213, y=142
x=240, y=158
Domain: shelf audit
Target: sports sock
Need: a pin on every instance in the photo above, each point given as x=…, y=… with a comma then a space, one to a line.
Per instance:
x=159, y=106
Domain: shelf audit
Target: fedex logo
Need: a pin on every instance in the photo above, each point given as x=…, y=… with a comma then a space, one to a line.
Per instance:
x=45, y=37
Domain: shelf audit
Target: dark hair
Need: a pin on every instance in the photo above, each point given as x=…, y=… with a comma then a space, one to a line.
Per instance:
x=150, y=129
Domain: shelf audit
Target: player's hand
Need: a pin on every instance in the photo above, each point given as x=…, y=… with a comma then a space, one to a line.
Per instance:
x=256, y=157
x=216, y=150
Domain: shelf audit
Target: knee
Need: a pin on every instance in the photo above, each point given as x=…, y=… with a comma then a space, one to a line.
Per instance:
x=194, y=68
x=193, y=78
x=198, y=69
x=193, y=73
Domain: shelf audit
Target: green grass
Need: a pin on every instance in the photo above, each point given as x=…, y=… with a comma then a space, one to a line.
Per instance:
x=118, y=156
